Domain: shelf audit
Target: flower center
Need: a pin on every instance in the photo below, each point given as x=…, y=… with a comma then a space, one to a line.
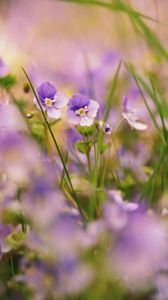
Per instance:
x=48, y=102
x=81, y=111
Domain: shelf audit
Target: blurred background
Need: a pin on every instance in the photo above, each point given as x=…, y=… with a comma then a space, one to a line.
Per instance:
x=51, y=37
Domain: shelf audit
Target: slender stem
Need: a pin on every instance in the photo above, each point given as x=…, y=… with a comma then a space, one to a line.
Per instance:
x=12, y=266
x=87, y=154
x=89, y=162
x=47, y=142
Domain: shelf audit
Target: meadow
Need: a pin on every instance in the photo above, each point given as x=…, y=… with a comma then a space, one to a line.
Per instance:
x=83, y=150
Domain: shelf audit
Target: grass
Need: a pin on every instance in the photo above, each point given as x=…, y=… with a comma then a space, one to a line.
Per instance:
x=136, y=17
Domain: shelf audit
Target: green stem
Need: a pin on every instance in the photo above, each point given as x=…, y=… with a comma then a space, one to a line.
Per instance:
x=12, y=266
x=89, y=162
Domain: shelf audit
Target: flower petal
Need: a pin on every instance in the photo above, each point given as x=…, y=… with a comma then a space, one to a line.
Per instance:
x=4, y=69
x=78, y=101
x=133, y=121
x=37, y=105
x=53, y=113
x=86, y=121
x=138, y=125
x=60, y=100
x=72, y=118
x=46, y=90
x=92, y=109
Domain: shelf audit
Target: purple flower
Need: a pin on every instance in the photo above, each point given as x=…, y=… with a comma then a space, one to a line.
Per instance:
x=51, y=100
x=140, y=249
x=116, y=212
x=82, y=110
x=130, y=115
x=4, y=69
x=106, y=127
x=18, y=156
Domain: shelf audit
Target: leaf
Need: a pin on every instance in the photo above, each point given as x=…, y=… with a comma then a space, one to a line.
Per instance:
x=54, y=122
x=16, y=239
x=81, y=146
x=104, y=147
x=8, y=81
x=38, y=129
x=85, y=130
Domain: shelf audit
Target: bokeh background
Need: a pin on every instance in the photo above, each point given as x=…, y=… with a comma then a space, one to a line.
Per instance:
x=51, y=36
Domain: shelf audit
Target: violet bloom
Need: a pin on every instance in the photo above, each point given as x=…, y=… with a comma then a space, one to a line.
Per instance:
x=82, y=110
x=130, y=115
x=140, y=249
x=19, y=156
x=105, y=126
x=4, y=69
x=116, y=211
x=51, y=100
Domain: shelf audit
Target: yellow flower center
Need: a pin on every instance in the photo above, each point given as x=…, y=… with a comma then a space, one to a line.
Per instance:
x=81, y=111
x=48, y=102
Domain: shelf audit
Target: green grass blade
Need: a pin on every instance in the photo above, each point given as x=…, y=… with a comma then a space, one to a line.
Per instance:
x=135, y=16
x=151, y=37
x=159, y=109
x=115, y=5
x=135, y=77
x=149, y=185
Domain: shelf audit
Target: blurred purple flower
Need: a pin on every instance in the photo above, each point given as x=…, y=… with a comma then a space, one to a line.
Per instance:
x=11, y=119
x=130, y=115
x=51, y=100
x=140, y=249
x=82, y=110
x=19, y=156
x=116, y=211
x=4, y=69
x=68, y=276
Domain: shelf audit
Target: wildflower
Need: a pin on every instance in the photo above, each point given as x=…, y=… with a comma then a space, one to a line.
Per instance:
x=144, y=242
x=4, y=69
x=18, y=156
x=51, y=100
x=130, y=115
x=116, y=211
x=82, y=110
x=11, y=119
x=106, y=127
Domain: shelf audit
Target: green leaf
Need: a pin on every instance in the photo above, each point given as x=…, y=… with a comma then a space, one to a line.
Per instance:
x=8, y=81
x=54, y=122
x=81, y=146
x=85, y=130
x=38, y=129
x=16, y=239
x=104, y=147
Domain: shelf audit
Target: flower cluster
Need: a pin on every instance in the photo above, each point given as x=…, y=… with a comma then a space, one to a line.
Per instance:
x=80, y=109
